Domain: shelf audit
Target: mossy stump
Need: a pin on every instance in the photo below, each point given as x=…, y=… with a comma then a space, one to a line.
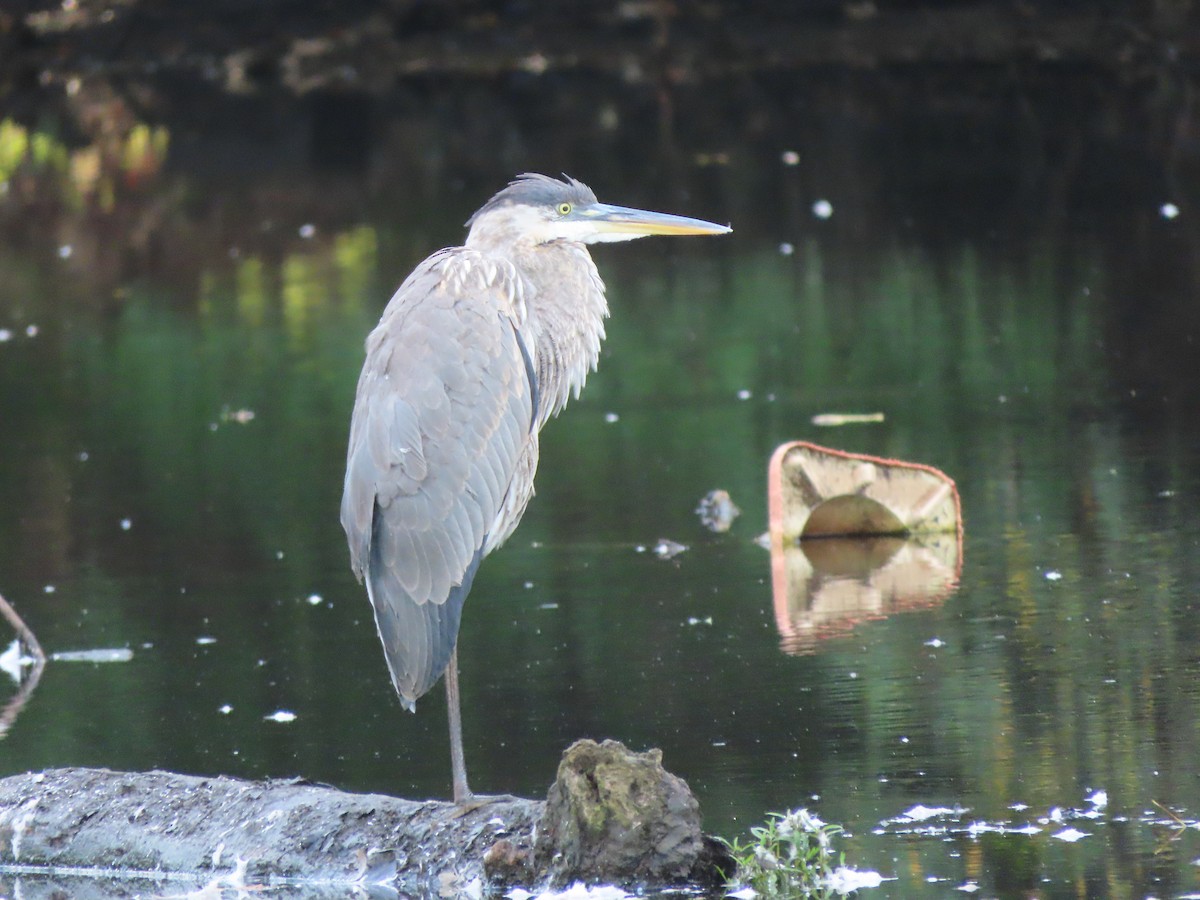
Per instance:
x=613, y=814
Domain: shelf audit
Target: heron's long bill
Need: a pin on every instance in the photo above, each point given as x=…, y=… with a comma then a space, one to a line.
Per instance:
x=623, y=220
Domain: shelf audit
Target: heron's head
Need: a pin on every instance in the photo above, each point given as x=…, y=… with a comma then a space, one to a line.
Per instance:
x=536, y=209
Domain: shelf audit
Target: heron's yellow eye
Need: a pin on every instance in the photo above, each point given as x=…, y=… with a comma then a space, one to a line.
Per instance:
x=564, y=209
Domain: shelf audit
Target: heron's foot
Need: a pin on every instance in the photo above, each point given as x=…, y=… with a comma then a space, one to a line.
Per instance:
x=473, y=802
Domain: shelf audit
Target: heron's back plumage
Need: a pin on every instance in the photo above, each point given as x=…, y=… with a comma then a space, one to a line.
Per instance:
x=442, y=452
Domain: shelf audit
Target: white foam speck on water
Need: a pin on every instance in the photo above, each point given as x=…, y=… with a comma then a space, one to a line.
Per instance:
x=845, y=880
x=580, y=891
x=281, y=715
x=1070, y=835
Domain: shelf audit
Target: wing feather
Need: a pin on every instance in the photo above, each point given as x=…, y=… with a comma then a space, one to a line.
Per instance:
x=438, y=460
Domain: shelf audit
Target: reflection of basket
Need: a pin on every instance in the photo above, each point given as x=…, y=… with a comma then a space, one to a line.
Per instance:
x=855, y=537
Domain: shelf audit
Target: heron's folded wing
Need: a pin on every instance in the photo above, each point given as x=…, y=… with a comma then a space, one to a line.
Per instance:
x=442, y=424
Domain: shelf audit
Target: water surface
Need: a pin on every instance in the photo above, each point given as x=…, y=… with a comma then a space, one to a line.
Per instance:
x=182, y=334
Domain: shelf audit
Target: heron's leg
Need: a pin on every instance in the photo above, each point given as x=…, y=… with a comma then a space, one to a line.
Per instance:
x=458, y=763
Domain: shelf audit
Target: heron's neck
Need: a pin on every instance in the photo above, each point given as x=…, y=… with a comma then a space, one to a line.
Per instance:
x=566, y=310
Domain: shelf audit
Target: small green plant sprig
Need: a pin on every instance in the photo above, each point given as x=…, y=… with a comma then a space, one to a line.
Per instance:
x=790, y=856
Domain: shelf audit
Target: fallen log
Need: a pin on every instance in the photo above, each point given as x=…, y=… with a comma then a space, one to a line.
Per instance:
x=613, y=816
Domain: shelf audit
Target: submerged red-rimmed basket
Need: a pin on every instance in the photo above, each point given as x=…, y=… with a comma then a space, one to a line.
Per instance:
x=856, y=537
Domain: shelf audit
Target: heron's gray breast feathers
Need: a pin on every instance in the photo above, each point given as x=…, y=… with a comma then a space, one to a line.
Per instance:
x=442, y=451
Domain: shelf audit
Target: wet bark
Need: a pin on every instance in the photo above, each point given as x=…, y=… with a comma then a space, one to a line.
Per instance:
x=122, y=828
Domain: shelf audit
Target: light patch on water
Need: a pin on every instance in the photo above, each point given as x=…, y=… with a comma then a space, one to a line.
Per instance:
x=922, y=813
x=13, y=661
x=1025, y=829
x=845, y=880
x=1098, y=799
x=314, y=599
x=206, y=639
x=281, y=715
x=577, y=891
x=822, y=209
x=743, y=893
x=1168, y=211
x=1053, y=575
x=102, y=655
x=1070, y=835
x=225, y=709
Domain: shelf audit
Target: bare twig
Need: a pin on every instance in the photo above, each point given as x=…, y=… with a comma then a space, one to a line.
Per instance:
x=25, y=635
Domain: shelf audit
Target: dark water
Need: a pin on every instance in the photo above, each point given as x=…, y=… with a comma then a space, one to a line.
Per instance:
x=999, y=276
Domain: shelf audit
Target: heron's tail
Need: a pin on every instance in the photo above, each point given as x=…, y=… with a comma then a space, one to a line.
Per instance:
x=417, y=638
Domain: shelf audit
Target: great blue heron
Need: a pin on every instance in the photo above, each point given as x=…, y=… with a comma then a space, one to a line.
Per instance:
x=478, y=348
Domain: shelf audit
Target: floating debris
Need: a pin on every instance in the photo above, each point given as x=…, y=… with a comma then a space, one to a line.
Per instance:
x=5, y=335
x=225, y=709
x=693, y=620
x=314, y=599
x=790, y=158
x=126, y=524
x=281, y=715
x=829, y=420
x=1053, y=575
x=935, y=642
x=65, y=251
x=745, y=394
x=668, y=549
x=717, y=511
x=611, y=418
x=822, y=209
x=206, y=639
x=1168, y=210
x=786, y=249
x=104, y=655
